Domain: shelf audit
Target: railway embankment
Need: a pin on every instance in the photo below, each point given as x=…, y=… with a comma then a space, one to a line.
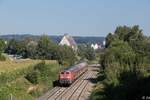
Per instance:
x=26, y=79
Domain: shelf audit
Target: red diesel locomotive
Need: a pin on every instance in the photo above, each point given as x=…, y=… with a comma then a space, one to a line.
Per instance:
x=68, y=76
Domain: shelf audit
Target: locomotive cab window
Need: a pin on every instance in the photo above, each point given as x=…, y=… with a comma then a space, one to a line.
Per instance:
x=67, y=73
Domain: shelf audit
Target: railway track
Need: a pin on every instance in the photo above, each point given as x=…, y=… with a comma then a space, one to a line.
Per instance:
x=67, y=95
x=74, y=92
x=84, y=92
x=58, y=90
x=49, y=93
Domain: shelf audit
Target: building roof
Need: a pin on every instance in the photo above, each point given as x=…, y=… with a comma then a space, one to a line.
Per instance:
x=69, y=39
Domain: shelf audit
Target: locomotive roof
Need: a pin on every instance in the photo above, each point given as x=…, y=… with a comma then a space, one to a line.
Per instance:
x=68, y=68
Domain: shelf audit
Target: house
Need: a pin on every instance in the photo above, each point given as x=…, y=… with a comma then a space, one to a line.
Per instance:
x=69, y=41
x=104, y=43
x=96, y=46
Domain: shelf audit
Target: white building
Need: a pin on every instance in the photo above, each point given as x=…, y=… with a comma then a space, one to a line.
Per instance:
x=69, y=41
x=104, y=43
x=96, y=46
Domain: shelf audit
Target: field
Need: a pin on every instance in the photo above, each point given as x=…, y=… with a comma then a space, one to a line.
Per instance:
x=7, y=66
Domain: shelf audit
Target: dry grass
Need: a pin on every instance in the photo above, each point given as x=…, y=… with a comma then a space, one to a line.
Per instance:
x=7, y=66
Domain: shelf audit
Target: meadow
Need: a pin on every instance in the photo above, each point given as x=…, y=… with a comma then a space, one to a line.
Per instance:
x=11, y=65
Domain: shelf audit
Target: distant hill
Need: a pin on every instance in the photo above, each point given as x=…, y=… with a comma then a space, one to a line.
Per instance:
x=78, y=39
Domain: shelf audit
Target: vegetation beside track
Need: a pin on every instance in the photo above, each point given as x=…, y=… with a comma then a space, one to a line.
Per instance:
x=125, y=66
x=26, y=80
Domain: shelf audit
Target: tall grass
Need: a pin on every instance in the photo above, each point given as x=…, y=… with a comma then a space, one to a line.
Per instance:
x=8, y=66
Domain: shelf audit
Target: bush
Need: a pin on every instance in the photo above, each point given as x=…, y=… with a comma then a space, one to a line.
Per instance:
x=39, y=73
x=44, y=74
x=2, y=57
x=33, y=76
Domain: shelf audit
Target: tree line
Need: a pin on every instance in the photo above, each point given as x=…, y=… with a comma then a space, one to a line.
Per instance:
x=126, y=66
x=45, y=48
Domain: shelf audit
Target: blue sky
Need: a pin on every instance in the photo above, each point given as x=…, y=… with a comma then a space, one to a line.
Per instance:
x=77, y=17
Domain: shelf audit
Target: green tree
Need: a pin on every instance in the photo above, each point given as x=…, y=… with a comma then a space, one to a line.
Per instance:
x=126, y=65
x=31, y=49
x=110, y=37
x=65, y=55
x=86, y=52
x=12, y=47
x=44, y=47
x=90, y=53
x=2, y=45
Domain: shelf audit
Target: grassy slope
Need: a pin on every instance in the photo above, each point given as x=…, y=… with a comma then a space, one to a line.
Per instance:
x=20, y=87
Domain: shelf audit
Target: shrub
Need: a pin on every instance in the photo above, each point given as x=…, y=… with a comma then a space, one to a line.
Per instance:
x=2, y=57
x=33, y=76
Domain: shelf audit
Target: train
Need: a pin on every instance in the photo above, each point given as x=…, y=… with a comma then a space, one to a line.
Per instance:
x=69, y=75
